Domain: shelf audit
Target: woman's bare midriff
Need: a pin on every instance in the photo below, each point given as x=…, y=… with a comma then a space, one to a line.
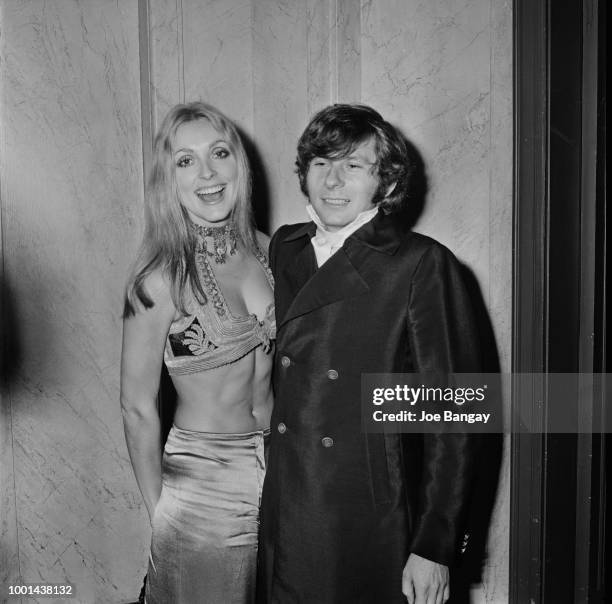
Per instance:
x=234, y=398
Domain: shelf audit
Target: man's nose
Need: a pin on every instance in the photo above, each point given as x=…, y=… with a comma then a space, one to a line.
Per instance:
x=334, y=177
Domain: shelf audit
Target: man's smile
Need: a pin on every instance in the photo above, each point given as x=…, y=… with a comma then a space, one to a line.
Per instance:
x=336, y=201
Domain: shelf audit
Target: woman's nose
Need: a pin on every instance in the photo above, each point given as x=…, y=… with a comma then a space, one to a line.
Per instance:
x=334, y=177
x=207, y=171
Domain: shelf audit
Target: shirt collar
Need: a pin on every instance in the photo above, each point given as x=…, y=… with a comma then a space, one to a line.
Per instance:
x=337, y=238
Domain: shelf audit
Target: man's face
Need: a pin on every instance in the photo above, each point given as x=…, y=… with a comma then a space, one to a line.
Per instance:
x=340, y=189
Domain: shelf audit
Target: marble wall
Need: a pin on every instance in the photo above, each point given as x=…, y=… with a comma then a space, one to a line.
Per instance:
x=74, y=78
x=71, y=203
x=442, y=72
x=305, y=57
x=202, y=49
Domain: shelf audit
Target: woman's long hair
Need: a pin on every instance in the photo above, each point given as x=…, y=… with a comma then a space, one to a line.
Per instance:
x=169, y=242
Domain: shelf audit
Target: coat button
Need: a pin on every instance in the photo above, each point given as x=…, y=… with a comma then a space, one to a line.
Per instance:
x=332, y=374
x=282, y=428
x=285, y=361
x=327, y=442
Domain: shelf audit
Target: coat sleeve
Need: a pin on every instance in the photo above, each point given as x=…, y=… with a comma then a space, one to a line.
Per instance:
x=444, y=339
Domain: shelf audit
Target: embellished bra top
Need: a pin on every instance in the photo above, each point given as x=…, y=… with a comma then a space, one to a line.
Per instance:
x=210, y=335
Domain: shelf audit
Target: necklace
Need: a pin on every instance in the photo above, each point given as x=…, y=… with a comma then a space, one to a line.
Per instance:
x=224, y=241
x=205, y=270
x=208, y=280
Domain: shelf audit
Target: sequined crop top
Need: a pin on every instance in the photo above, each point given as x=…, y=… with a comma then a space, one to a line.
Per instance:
x=210, y=335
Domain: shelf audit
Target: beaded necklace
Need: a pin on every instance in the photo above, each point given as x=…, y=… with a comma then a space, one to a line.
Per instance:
x=205, y=271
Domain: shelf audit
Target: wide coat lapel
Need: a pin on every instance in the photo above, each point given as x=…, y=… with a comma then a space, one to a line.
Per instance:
x=302, y=266
x=339, y=278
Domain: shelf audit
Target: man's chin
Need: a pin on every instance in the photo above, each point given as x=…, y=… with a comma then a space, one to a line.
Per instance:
x=334, y=226
x=333, y=222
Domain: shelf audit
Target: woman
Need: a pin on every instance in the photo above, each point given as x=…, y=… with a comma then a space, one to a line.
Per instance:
x=200, y=299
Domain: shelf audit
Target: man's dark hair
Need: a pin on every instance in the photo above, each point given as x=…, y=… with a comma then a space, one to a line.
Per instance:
x=337, y=130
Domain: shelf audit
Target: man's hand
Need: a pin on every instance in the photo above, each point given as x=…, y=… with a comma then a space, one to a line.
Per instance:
x=424, y=581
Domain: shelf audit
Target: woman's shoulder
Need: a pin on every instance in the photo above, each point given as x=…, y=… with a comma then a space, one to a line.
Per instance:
x=156, y=287
x=157, y=283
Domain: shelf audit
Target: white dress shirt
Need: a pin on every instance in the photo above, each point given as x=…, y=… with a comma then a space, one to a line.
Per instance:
x=327, y=243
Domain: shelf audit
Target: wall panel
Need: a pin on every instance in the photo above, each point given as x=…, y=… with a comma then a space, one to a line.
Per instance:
x=9, y=549
x=281, y=37
x=426, y=65
x=202, y=51
x=72, y=212
x=167, y=85
x=71, y=201
x=442, y=72
x=217, y=56
x=305, y=56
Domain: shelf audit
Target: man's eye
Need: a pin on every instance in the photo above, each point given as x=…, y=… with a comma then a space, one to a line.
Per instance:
x=319, y=162
x=220, y=153
x=184, y=161
x=353, y=166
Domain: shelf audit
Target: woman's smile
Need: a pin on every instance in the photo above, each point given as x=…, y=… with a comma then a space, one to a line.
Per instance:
x=210, y=194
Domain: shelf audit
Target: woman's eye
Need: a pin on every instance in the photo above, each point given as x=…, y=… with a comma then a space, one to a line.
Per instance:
x=184, y=161
x=318, y=162
x=354, y=166
x=220, y=153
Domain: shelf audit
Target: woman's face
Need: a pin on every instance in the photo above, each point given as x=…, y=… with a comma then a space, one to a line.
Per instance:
x=206, y=172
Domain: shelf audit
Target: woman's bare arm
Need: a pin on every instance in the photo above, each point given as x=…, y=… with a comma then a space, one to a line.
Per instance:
x=144, y=336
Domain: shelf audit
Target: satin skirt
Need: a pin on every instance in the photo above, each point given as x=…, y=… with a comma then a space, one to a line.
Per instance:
x=205, y=525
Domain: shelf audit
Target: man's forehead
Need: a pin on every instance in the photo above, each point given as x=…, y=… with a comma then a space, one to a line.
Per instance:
x=365, y=151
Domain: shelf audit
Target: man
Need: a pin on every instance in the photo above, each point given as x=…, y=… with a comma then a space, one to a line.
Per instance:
x=349, y=516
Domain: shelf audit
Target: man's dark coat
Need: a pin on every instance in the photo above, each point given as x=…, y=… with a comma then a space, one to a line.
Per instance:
x=343, y=509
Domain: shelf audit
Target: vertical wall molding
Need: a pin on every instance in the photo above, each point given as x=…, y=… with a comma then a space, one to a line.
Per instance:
x=180, y=44
x=588, y=240
x=320, y=48
x=146, y=96
x=333, y=49
x=558, y=492
x=333, y=53
x=591, y=498
x=348, y=51
x=166, y=80
x=529, y=291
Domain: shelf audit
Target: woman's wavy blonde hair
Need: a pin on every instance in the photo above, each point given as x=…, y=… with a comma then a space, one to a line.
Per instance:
x=168, y=241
